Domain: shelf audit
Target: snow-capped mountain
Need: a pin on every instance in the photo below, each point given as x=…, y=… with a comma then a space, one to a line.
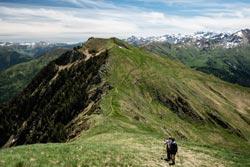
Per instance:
x=33, y=44
x=199, y=39
x=34, y=49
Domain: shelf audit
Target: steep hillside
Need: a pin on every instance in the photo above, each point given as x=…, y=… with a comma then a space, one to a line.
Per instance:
x=116, y=102
x=9, y=58
x=231, y=65
x=54, y=97
x=16, y=78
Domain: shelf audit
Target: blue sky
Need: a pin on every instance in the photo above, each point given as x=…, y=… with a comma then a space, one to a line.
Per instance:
x=77, y=20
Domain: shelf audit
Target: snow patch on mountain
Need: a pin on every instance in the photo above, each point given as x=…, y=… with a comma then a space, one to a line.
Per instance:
x=199, y=39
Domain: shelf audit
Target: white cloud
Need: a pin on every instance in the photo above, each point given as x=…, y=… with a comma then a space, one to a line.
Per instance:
x=66, y=24
x=171, y=1
x=91, y=3
x=48, y=23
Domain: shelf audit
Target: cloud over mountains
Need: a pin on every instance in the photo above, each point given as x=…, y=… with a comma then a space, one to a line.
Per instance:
x=76, y=20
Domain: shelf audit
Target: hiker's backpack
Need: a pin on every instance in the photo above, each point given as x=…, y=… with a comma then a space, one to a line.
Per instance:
x=174, y=147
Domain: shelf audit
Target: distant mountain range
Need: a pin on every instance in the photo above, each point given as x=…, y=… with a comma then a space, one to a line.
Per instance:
x=34, y=49
x=9, y=58
x=16, y=78
x=14, y=53
x=199, y=39
x=224, y=55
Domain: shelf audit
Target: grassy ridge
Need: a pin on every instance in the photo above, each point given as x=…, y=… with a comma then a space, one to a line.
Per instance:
x=120, y=149
x=138, y=77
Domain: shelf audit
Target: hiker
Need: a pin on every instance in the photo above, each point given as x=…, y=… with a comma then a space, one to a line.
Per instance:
x=168, y=143
x=173, y=151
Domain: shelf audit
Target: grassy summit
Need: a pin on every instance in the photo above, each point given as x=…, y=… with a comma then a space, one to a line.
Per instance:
x=129, y=101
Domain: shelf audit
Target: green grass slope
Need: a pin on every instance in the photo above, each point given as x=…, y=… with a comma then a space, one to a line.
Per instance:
x=151, y=98
x=15, y=78
x=123, y=149
x=231, y=65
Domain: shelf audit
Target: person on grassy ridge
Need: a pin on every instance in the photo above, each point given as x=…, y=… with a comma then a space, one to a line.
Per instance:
x=168, y=143
x=173, y=151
